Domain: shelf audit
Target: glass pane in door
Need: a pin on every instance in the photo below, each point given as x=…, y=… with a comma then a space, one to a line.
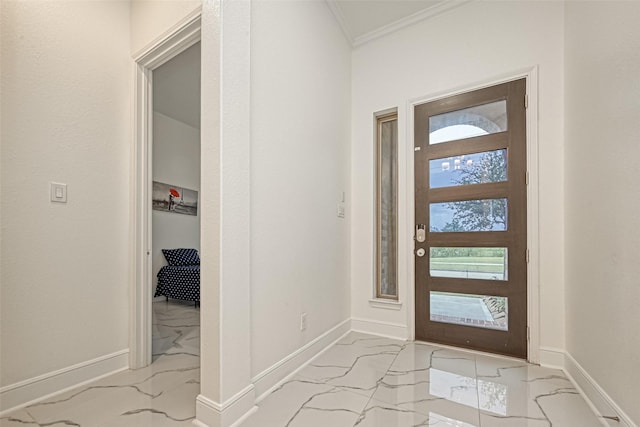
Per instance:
x=469, y=263
x=468, y=122
x=481, y=311
x=468, y=169
x=468, y=215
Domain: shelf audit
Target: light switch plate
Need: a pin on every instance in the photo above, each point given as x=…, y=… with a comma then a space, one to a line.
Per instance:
x=58, y=192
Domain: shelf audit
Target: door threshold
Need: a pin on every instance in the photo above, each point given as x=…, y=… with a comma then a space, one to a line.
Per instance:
x=468, y=350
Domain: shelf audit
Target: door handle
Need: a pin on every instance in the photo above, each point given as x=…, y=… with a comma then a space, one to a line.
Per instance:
x=420, y=252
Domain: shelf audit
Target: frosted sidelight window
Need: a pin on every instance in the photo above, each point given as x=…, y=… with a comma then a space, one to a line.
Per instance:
x=387, y=207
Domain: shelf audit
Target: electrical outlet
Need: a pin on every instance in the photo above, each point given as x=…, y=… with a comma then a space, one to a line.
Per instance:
x=303, y=321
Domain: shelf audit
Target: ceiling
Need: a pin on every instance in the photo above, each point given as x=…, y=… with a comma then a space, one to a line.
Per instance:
x=176, y=87
x=176, y=84
x=364, y=20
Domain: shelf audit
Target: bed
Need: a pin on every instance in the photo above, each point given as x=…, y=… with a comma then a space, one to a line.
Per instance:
x=181, y=278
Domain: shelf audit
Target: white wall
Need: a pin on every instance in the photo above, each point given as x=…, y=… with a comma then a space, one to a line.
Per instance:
x=226, y=250
x=472, y=44
x=602, y=195
x=176, y=160
x=300, y=91
x=66, y=117
x=150, y=19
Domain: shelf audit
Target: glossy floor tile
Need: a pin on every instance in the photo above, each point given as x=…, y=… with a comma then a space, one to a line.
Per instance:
x=362, y=380
x=162, y=394
x=365, y=380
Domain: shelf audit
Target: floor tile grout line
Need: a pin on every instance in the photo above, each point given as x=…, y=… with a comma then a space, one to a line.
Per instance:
x=378, y=382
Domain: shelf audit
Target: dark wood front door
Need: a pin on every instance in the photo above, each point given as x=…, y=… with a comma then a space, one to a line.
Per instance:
x=470, y=198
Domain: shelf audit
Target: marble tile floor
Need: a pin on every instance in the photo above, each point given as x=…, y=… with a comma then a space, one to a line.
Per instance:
x=362, y=380
x=369, y=381
x=162, y=394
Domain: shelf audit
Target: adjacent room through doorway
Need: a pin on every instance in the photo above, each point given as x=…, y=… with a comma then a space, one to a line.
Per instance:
x=175, y=212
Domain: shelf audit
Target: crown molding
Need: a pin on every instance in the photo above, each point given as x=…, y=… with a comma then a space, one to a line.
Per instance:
x=421, y=15
x=337, y=13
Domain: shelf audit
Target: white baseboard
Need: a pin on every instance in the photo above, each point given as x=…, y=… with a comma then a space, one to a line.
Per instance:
x=272, y=376
x=551, y=357
x=597, y=398
x=246, y=415
x=235, y=410
x=383, y=329
x=227, y=414
x=27, y=392
x=239, y=407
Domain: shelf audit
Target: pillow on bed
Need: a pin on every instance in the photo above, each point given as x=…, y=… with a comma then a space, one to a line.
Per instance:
x=181, y=256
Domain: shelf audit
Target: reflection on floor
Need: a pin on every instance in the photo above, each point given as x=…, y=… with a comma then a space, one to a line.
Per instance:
x=365, y=380
x=176, y=329
x=162, y=394
x=362, y=380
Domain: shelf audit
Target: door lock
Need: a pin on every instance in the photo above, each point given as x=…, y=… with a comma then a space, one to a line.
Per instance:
x=421, y=233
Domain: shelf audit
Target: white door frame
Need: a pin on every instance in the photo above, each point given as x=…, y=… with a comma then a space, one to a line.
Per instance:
x=533, y=267
x=184, y=35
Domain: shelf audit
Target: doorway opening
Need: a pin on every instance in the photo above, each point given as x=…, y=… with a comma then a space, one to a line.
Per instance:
x=175, y=209
x=183, y=37
x=470, y=198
